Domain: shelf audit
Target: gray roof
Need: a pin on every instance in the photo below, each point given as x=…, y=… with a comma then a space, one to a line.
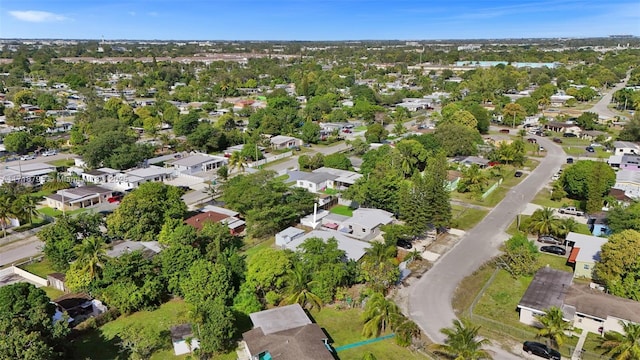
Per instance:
x=280, y=319
x=281, y=139
x=344, y=176
x=149, y=248
x=598, y=304
x=290, y=232
x=181, y=332
x=625, y=144
x=548, y=288
x=197, y=159
x=354, y=249
x=370, y=218
x=317, y=178
x=302, y=343
x=628, y=176
x=589, y=246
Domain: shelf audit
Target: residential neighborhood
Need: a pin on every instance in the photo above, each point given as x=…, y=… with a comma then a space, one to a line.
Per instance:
x=320, y=200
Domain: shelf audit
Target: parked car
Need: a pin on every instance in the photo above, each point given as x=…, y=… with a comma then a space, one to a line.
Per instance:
x=570, y=210
x=590, y=149
x=568, y=135
x=518, y=174
x=532, y=140
x=405, y=244
x=541, y=148
x=548, y=239
x=114, y=199
x=553, y=249
x=541, y=350
x=49, y=153
x=557, y=140
x=504, y=131
x=27, y=157
x=569, y=160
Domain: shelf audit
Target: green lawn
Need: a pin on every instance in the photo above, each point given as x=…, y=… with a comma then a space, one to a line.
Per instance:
x=465, y=218
x=345, y=327
x=42, y=193
x=62, y=163
x=265, y=244
x=41, y=268
x=106, y=337
x=592, y=343
x=342, y=210
x=52, y=293
x=360, y=128
x=55, y=212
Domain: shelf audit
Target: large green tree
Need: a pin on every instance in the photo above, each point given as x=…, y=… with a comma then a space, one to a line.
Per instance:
x=619, y=265
x=622, y=218
x=577, y=177
x=519, y=256
x=142, y=213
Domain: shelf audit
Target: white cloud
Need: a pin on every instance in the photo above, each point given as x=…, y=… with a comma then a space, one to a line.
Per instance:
x=36, y=16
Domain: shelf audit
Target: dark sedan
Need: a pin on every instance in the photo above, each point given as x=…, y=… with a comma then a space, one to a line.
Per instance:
x=541, y=350
x=553, y=249
x=548, y=239
x=406, y=244
x=518, y=174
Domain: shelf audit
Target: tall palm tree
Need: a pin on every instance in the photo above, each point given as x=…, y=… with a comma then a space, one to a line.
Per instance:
x=553, y=326
x=623, y=347
x=565, y=226
x=7, y=211
x=406, y=331
x=29, y=207
x=298, y=288
x=462, y=342
x=236, y=160
x=543, y=221
x=379, y=315
x=92, y=252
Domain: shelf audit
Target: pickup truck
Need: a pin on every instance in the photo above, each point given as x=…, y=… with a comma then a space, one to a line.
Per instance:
x=571, y=211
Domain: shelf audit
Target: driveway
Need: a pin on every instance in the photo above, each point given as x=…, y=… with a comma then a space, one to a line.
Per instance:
x=430, y=297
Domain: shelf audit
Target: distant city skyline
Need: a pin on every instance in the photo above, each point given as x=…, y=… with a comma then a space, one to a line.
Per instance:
x=316, y=20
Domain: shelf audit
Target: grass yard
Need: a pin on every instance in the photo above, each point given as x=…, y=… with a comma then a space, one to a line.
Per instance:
x=345, y=327
x=592, y=343
x=543, y=198
x=55, y=212
x=342, y=210
x=513, y=228
x=255, y=249
x=52, y=293
x=468, y=288
x=41, y=268
x=465, y=218
x=62, y=163
x=106, y=337
x=360, y=128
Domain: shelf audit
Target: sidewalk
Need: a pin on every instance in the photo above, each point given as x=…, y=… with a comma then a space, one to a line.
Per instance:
x=578, y=351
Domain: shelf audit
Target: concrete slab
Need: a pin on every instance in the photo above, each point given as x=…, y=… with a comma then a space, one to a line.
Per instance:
x=430, y=256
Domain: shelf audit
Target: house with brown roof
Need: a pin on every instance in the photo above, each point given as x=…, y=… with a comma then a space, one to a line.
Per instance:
x=587, y=307
x=285, y=333
x=236, y=225
x=563, y=127
x=78, y=198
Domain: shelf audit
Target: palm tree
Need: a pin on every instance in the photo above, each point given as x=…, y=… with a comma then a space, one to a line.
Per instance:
x=298, y=288
x=543, y=221
x=29, y=207
x=379, y=252
x=623, y=347
x=236, y=160
x=462, y=342
x=543, y=102
x=369, y=356
x=566, y=226
x=379, y=315
x=7, y=211
x=406, y=331
x=92, y=252
x=554, y=326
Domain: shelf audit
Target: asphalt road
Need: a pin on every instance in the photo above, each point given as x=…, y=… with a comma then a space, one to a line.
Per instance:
x=601, y=108
x=292, y=162
x=430, y=297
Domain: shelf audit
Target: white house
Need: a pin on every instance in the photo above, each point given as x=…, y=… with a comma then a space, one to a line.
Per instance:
x=354, y=249
x=629, y=182
x=366, y=223
x=78, y=198
x=195, y=163
x=316, y=182
x=625, y=147
x=281, y=142
x=33, y=173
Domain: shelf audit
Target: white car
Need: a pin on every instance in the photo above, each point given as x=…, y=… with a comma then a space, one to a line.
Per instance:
x=49, y=153
x=27, y=157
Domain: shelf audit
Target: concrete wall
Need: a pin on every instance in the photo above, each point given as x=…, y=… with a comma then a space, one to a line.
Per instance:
x=181, y=347
x=527, y=316
x=613, y=324
x=587, y=323
x=583, y=269
x=13, y=270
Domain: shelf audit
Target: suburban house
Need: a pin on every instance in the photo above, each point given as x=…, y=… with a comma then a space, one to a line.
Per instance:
x=131, y=179
x=620, y=199
x=559, y=100
x=195, y=163
x=354, y=249
x=326, y=178
x=625, y=147
x=630, y=162
x=598, y=224
x=593, y=134
x=585, y=306
x=281, y=142
x=285, y=333
x=453, y=178
x=563, y=127
x=78, y=307
x=629, y=182
x=99, y=176
x=365, y=223
x=228, y=217
x=149, y=249
x=471, y=160
x=183, y=340
x=34, y=173
x=344, y=180
x=585, y=252
x=78, y=198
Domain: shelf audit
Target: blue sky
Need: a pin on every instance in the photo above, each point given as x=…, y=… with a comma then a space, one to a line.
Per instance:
x=316, y=19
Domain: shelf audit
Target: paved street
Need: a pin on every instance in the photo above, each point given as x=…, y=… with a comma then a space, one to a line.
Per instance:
x=21, y=249
x=601, y=108
x=430, y=297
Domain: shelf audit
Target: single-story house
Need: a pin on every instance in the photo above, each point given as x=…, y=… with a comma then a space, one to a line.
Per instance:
x=78, y=198
x=354, y=249
x=366, y=223
x=316, y=182
x=195, y=163
x=470, y=160
x=235, y=225
x=100, y=176
x=620, y=198
x=131, y=179
x=625, y=147
x=585, y=252
x=598, y=224
x=287, y=235
x=563, y=127
x=149, y=249
x=183, y=340
x=593, y=134
x=453, y=178
x=344, y=180
x=630, y=162
x=285, y=333
x=558, y=100
x=78, y=307
x=585, y=306
x=32, y=173
x=629, y=182
x=281, y=142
